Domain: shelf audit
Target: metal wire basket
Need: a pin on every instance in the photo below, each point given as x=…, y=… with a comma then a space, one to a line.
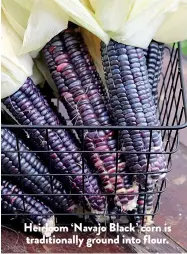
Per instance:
x=172, y=115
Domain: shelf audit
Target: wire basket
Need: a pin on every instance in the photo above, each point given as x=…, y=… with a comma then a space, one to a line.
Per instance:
x=173, y=117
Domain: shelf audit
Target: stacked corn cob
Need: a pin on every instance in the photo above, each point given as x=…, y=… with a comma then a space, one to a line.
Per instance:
x=37, y=178
x=144, y=210
x=13, y=201
x=29, y=107
x=95, y=75
x=132, y=102
x=81, y=91
x=133, y=105
x=154, y=58
x=131, y=98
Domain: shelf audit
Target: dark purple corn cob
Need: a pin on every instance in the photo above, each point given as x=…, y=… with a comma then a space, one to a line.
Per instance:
x=13, y=201
x=51, y=118
x=145, y=200
x=133, y=105
x=128, y=85
x=31, y=165
x=79, y=88
x=91, y=66
x=154, y=58
x=30, y=111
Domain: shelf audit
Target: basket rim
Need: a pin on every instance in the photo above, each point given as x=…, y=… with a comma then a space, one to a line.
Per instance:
x=93, y=127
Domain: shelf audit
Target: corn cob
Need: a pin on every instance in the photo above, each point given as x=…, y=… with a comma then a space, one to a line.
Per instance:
x=90, y=83
x=144, y=206
x=91, y=66
x=15, y=202
x=90, y=80
x=132, y=103
x=131, y=99
x=154, y=58
x=51, y=118
x=80, y=89
x=28, y=112
x=32, y=166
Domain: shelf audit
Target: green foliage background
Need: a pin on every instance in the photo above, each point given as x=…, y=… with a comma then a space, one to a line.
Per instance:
x=184, y=47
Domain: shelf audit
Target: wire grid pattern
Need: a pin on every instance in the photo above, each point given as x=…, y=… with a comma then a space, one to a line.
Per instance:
x=173, y=117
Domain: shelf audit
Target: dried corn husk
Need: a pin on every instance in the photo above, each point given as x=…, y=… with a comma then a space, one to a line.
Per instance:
x=136, y=22
x=14, y=69
x=43, y=19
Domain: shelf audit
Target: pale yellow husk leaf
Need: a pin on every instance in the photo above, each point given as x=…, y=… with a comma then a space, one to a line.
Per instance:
x=137, y=22
x=37, y=21
x=14, y=69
